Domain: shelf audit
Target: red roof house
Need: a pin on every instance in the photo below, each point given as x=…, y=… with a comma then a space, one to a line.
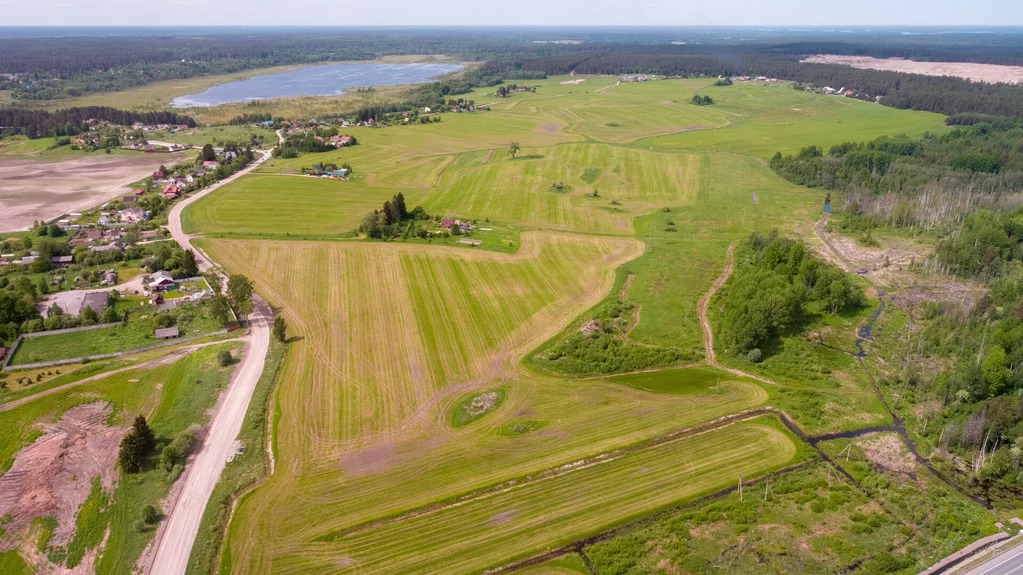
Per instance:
x=171, y=191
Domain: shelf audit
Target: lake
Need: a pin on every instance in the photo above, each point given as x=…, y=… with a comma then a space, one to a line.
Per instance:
x=315, y=81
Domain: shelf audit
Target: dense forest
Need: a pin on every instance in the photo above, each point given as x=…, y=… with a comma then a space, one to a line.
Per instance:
x=57, y=67
x=965, y=184
x=777, y=284
x=39, y=123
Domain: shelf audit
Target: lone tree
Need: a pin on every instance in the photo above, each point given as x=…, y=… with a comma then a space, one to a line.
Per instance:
x=280, y=328
x=208, y=153
x=135, y=445
x=239, y=289
x=513, y=149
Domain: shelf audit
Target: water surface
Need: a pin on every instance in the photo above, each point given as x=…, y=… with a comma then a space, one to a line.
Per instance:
x=315, y=81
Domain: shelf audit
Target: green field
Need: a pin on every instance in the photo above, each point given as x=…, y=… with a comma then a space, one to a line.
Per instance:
x=138, y=332
x=419, y=424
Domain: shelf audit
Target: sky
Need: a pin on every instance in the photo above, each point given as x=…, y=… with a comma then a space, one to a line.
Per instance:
x=511, y=12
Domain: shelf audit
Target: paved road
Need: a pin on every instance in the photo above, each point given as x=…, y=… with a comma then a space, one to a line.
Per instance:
x=1004, y=564
x=182, y=524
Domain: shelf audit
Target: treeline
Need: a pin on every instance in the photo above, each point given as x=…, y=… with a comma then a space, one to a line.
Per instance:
x=930, y=183
x=945, y=95
x=71, y=121
x=297, y=144
x=775, y=283
x=395, y=220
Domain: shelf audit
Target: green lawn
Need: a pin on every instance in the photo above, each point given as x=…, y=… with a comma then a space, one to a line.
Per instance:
x=137, y=333
x=216, y=135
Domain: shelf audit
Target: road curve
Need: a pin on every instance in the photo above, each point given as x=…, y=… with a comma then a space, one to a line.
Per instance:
x=174, y=543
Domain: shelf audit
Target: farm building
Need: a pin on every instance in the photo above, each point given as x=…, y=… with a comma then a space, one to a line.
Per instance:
x=62, y=261
x=166, y=333
x=96, y=300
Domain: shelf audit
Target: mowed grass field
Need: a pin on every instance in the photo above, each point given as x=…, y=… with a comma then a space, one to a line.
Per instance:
x=390, y=337
x=535, y=515
x=390, y=326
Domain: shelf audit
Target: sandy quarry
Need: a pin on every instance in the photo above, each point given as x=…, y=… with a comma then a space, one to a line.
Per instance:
x=33, y=189
x=990, y=73
x=53, y=475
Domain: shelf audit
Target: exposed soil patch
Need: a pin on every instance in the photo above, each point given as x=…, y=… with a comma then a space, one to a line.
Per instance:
x=32, y=189
x=52, y=477
x=502, y=517
x=887, y=451
x=990, y=73
x=482, y=403
x=550, y=128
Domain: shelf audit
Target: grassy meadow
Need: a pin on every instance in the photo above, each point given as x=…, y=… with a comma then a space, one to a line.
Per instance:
x=385, y=461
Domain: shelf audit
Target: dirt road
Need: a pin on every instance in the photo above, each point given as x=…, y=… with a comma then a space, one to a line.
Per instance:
x=708, y=334
x=177, y=535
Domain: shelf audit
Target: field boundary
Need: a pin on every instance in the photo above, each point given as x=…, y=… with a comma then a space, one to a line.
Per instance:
x=17, y=342
x=86, y=358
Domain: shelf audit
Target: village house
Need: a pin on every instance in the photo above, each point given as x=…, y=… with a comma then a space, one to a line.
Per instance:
x=109, y=278
x=131, y=215
x=94, y=235
x=111, y=247
x=211, y=164
x=160, y=281
x=171, y=191
x=62, y=261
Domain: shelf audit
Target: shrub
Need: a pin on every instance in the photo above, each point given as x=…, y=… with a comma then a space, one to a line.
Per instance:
x=150, y=515
x=224, y=358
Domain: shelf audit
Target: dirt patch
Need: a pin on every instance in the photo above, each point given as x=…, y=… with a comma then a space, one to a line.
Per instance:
x=891, y=266
x=32, y=189
x=53, y=476
x=502, y=517
x=990, y=73
x=887, y=451
x=482, y=403
x=573, y=82
x=369, y=461
x=550, y=128
x=706, y=530
x=591, y=327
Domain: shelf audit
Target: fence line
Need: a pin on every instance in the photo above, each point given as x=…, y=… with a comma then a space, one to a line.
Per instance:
x=55, y=362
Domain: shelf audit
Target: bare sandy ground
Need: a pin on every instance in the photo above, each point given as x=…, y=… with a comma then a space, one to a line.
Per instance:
x=990, y=73
x=53, y=476
x=32, y=189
